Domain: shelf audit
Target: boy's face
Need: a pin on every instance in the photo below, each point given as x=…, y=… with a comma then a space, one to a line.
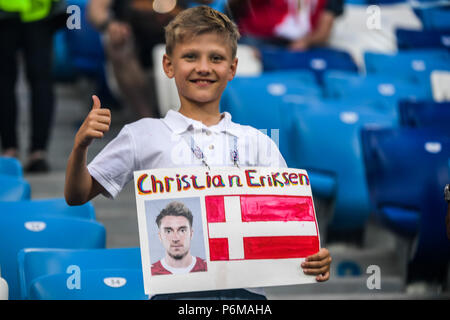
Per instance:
x=202, y=66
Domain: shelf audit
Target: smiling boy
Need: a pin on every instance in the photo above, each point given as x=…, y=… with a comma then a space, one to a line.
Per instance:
x=201, y=46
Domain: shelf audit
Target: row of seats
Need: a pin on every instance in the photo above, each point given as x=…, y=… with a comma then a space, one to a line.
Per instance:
x=49, y=250
x=320, y=109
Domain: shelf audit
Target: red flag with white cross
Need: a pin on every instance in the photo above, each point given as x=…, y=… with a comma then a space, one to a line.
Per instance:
x=242, y=227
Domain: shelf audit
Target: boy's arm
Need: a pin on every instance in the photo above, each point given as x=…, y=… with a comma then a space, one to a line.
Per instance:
x=79, y=186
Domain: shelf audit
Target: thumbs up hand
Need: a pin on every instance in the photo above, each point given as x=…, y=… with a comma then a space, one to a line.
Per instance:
x=94, y=126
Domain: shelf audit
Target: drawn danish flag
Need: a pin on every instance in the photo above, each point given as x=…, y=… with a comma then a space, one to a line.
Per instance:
x=261, y=227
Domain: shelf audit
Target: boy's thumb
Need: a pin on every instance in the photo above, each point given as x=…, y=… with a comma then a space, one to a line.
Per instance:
x=96, y=102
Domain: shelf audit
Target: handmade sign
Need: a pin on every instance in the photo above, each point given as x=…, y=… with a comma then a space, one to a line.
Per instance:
x=224, y=228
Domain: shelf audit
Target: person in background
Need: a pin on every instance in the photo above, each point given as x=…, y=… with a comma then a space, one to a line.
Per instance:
x=28, y=29
x=294, y=24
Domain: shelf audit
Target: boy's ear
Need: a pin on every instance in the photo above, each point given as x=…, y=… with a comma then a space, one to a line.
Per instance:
x=168, y=66
x=233, y=69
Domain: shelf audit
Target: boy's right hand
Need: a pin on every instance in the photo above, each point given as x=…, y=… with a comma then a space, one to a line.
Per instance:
x=94, y=126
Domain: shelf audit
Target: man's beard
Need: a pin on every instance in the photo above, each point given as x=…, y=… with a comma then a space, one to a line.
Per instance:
x=178, y=256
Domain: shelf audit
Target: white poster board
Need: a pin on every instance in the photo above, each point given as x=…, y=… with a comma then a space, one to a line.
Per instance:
x=251, y=227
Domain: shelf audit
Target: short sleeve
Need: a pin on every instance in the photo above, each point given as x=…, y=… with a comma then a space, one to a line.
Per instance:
x=113, y=167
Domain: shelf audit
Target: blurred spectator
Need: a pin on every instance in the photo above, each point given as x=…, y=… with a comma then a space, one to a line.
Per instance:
x=295, y=24
x=131, y=29
x=28, y=29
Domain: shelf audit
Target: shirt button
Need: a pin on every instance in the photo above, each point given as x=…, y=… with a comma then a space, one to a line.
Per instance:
x=208, y=133
x=211, y=147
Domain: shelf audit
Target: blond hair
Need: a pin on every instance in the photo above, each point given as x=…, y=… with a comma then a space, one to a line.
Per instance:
x=197, y=21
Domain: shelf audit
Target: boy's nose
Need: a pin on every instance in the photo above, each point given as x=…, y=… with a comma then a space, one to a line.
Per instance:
x=202, y=66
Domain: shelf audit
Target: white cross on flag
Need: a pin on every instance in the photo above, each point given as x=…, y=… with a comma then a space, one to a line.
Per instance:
x=242, y=227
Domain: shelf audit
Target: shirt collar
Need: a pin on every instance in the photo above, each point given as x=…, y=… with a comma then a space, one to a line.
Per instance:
x=179, y=124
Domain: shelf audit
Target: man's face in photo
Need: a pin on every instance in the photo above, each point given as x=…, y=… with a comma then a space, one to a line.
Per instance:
x=175, y=234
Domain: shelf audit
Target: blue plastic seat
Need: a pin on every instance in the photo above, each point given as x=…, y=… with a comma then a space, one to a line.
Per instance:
x=256, y=100
x=37, y=263
x=47, y=208
x=14, y=188
x=11, y=166
x=414, y=39
x=428, y=114
x=435, y=18
x=115, y=284
x=385, y=90
x=27, y=231
x=415, y=65
x=317, y=60
x=325, y=140
x=313, y=60
x=63, y=70
x=406, y=171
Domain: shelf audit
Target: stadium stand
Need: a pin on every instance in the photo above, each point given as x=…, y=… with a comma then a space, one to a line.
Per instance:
x=407, y=170
x=34, y=264
x=27, y=231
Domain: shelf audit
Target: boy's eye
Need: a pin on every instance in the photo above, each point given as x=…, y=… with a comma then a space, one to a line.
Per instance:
x=189, y=56
x=217, y=58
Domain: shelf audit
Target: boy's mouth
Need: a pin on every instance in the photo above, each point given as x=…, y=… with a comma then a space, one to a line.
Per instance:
x=202, y=81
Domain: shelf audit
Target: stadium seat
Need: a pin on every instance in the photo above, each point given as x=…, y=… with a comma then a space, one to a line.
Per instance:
x=326, y=142
x=63, y=70
x=415, y=65
x=11, y=167
x=316, y=60
x=121, y=284
x=428, y=114
x=14, y=189
x=256, y=100
x=435, y=18
x=421, y=39
x=406, y=171
x=37, y=263
x=385, y=90
x=26, y=231
x=47, y=208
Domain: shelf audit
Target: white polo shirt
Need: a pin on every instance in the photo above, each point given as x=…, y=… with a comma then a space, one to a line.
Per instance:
x=165, y=143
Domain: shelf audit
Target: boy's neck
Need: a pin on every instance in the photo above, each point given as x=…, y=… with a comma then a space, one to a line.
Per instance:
x=208, y=115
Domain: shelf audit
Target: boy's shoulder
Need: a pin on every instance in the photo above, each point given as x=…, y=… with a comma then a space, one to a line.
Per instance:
x=144, y=124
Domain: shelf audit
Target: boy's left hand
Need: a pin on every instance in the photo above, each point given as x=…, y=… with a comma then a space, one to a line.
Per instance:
x=318, y=264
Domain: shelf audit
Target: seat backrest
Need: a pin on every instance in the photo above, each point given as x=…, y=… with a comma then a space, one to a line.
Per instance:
x=27, y=231
x=401, y=162
x=102, y=284
x=414, y=39
x=425, y=114
x=384, y=89
x=47, y=208
x=317, y=60
x=416, y=65
x=11, y=167
x=38, y=262
x=14, y=188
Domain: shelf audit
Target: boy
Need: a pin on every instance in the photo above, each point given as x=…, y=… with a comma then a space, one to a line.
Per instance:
x=201, y=56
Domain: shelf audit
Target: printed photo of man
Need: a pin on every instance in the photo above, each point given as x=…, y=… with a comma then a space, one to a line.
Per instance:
x=175, y=233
